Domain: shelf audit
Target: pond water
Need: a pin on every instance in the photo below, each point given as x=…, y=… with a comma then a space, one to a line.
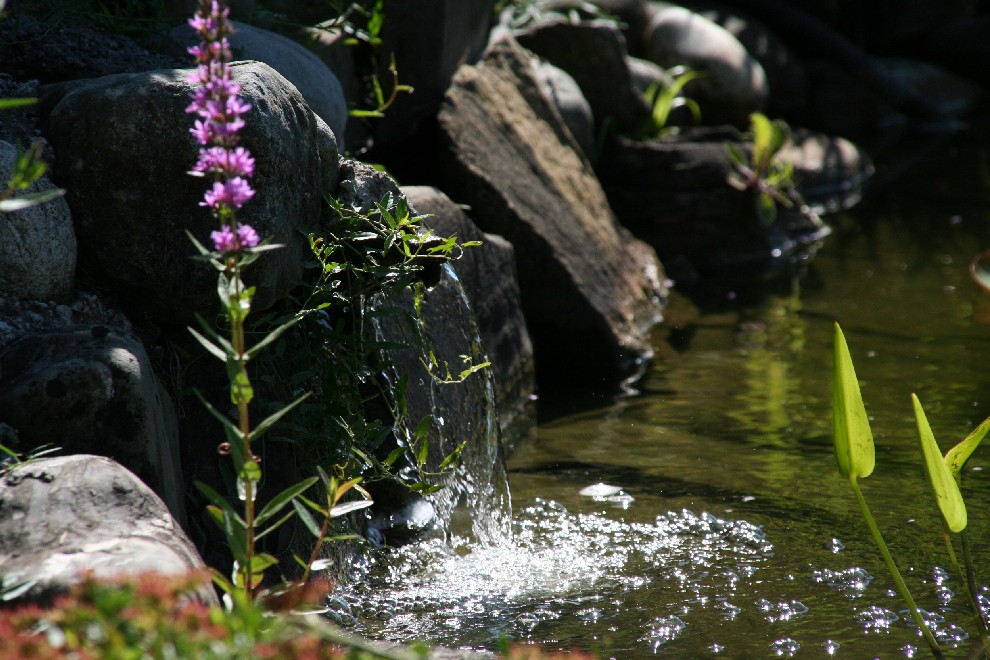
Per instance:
x=703, y=515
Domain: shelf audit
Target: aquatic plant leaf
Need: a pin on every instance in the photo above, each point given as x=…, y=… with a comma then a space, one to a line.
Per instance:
x=283, y=498
x=851, y=433
x=956, y=457
x=945, y=488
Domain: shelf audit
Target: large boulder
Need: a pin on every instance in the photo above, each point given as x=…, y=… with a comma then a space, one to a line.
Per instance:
x=37, y=244
x=90, y=389
x=589, y=289
x=565, y=94
x=63, y=519
x=734, y=84
x=314, y=80
x=488, y=275
x=133, y=202
x=594, y=54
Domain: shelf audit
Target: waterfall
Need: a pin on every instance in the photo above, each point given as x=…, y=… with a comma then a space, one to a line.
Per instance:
x=474, y=502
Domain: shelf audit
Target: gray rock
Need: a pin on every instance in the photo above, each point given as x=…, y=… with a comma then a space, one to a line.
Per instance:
x=488, y=274
x=63, y=518
x=786, y=75
x=633, y=16
x=672, y=191
x=133, y=205
x=314, y=80
x=37, y=244
x=90, y=389
x=734, y=85
x=594, y=54
x=566, y=96
x=645, y=73
x=587, y=296
x=20, y=317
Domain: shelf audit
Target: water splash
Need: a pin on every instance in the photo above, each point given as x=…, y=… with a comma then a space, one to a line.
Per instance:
x=475, y=499
x=562, y=567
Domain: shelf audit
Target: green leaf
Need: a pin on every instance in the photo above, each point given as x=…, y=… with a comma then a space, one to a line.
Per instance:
x=240, y=385
x=27, y=201
x=219, y=501
x=231, y=431
x=956, y=457
x=945, y=488
x=393, y=456
x=212, y=348
x=279, y=501
x=272, y=419
x=275, y=525
x=851, y=434
x=272, y=336
x=307, y=518
x=8, y=104
x=454, y=456
x=347, y=507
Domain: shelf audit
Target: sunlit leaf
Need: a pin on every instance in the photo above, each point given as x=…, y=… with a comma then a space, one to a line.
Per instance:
x=348, y=507
x=22, y=202
x=851, y=433
x=945, y=488
x=282, y=499
x=956, y=457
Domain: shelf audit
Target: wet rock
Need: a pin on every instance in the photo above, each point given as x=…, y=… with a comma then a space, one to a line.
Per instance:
x=587, y=294
x=672, y=192
x=488, y=274
x=831, y=173
x=566, y=96
x=113, y=166
x=90, y=389
x=37, y=244
x=594, y=54
x=734, y=84
x=314, y=80
x=63, y=518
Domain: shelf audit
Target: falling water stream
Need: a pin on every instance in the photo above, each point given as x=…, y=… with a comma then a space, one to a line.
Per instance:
x=703, y=515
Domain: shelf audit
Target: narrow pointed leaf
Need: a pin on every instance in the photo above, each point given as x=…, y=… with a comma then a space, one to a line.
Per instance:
x=348, y=507
x=213, y=349
x=851, y=434
x=307, y=518
x=271, y=420
x=282, y=499
x=950, y=501
x=275, y=525
x=22, y=202
x=272, y=336
x=956, y=457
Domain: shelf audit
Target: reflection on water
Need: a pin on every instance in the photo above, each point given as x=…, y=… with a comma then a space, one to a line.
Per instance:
x=704, y=515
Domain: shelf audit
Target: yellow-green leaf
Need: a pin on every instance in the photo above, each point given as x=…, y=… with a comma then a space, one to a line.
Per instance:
x=950, y=501
x=956, y=457
x=851, y=432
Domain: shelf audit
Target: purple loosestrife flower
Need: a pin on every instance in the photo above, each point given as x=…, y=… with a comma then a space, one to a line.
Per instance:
x=218, y=109
x=226, y=240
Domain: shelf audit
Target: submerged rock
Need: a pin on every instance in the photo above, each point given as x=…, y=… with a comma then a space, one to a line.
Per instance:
x=64, y=518
x=589, y=289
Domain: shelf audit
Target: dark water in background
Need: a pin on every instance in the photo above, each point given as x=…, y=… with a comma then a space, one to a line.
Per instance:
x=728, y=531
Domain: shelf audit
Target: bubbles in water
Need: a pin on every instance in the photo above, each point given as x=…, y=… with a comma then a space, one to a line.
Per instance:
x=851, y=581
x=836, y=546
x=831, y=647
x=785, y=611
x=877, y=619
x=662, y=631
x=785, y=647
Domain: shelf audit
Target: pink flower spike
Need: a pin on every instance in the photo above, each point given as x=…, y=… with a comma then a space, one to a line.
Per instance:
x=247, y=236
x=224, y=240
